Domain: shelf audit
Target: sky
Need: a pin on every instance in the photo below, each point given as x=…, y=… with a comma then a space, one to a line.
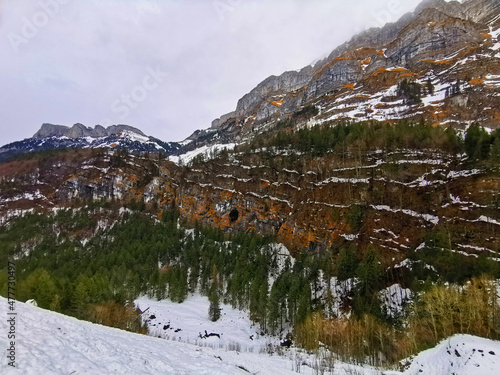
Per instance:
x=167, y=67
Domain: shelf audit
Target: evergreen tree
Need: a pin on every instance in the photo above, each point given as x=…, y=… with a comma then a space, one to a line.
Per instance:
x=369, y=272
x=347, y=264
x=430, y=87
x=213, y=296
x=477, y=143
x=495, y=147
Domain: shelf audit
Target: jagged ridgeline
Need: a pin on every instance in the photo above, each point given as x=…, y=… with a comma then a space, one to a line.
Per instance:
x=353, y=202
x=59, y=137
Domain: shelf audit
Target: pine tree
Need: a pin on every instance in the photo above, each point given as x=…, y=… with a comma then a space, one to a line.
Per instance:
x=213, y=296
x=369, y=273
x=477, y=143
x=430, y=87
x=495, y=147
x=80, y=299
x=346, y=264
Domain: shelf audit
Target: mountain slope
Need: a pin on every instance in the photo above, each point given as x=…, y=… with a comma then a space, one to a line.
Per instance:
x=50, y=343
x=448, y=51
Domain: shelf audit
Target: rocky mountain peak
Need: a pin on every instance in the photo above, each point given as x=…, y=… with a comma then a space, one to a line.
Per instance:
x=448, y=49
x=79, y=130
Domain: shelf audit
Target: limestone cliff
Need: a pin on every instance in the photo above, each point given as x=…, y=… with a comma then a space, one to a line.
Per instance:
x=446, y=43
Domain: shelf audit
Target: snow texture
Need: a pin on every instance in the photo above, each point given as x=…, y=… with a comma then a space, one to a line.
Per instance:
x=49, y=343
x=459, y=355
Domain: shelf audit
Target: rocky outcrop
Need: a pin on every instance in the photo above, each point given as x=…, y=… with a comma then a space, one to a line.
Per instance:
x=50, y=130
x=80, y=131
x=289, y=81
x=424, y=43
x=217, y=123
x=334, y=76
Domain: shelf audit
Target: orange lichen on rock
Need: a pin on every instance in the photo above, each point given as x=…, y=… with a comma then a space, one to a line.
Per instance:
x=265, y=184
x=432, y=24
x=399, y=70
x=379, y=70
x=477, y=81
x=366, y=61
x=486, y=35
x=445, y=61
x=381, y=53
x=343, y=57
x=349, y=86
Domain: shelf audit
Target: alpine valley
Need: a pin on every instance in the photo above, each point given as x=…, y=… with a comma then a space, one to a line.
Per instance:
x=346, y=215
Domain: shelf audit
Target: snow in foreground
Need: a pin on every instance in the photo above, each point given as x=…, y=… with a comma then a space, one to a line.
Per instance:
x=50, y=343
x=460, y=355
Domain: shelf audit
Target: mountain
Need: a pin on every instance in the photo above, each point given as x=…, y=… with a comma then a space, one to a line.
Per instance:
x=438, y=64
x=55, y=137
x=323, y=186
x=372, y=235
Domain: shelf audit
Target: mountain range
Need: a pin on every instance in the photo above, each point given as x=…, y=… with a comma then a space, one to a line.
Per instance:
x=438, y=64
x=353, y=203
x=59, y=137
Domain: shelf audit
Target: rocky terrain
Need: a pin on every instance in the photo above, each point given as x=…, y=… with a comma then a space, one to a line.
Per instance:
x=393, y=200
x=347, y=199
x=449, y=49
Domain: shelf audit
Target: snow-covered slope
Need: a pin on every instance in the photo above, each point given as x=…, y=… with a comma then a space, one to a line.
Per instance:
x=49, y=343
x=188, y=322
x=459, y=355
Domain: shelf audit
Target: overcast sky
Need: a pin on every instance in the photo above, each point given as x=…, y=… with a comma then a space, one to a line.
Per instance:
x=168, y=67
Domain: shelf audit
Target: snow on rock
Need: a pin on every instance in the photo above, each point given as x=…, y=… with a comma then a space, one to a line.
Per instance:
x=395, y=299
x=281, y=255
x=459, y=355
x=430, y=218
x=206, y=151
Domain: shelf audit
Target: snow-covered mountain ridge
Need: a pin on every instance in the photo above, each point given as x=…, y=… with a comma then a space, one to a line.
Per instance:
x=57, y=137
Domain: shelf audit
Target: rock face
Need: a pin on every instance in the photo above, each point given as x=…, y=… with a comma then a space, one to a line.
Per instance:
x=80, y=131
x=49, y=130
x=444, y=42
x=307, y=205
x=217, y=123
x=273, y=85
